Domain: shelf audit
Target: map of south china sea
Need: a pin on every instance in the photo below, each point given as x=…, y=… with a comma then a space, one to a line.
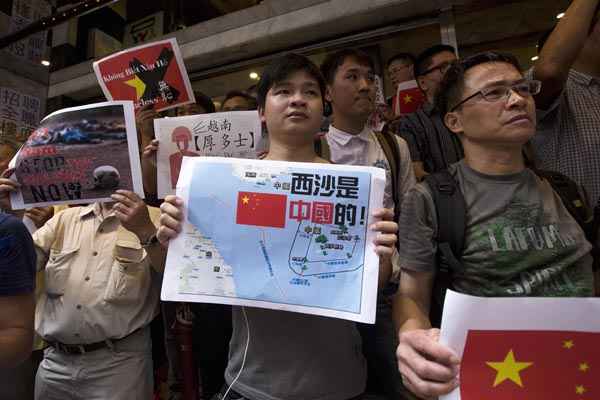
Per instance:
x=275, y=234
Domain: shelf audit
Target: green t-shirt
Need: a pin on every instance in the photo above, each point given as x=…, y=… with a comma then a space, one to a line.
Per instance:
x=520, y=239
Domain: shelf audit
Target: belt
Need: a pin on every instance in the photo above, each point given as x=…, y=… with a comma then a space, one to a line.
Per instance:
x=86, y=348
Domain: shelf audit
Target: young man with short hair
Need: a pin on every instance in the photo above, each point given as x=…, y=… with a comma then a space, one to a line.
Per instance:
x=351, y=89
x=432, y=146
x=400, y=68
x=292, y=355
x=238, y=101
x=520, y=240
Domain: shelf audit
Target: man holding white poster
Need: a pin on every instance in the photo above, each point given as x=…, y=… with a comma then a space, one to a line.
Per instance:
x=298, y=356
x=521, y=233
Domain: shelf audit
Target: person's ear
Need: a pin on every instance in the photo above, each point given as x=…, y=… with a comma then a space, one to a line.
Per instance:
x=328, y=93
x=453, y=122
x=422, y=82
x=261, y=114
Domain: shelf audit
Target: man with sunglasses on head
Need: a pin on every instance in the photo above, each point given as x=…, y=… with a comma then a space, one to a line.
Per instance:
x=432, y=146
x=568, y=136
x=519, y=239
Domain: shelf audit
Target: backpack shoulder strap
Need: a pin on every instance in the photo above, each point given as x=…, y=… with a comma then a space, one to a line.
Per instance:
x=451, y=220
x=451, y=215
x=390, y=148
x=322, y=147
x=572, y=197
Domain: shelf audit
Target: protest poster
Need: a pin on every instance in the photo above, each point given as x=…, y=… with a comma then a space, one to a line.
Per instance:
x=409, y=97
x=228, y=134
x=79, y=155
x=278, y=235
x=151, y=73
x=523, y=347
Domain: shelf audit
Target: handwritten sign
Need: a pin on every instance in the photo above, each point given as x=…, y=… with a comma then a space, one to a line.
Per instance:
x=230, y=134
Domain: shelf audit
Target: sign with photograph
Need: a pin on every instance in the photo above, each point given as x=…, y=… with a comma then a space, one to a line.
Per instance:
x=79, y=155
x=279, y=235
x=152, y=73
x=229, y=134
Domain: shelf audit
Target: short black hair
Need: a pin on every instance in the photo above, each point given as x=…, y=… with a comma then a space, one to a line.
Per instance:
x=281, y=68
x=334, y=60
x=408, y=57
x=238, y=93
x=424, y=59
x=205, y=102
x=451, y=88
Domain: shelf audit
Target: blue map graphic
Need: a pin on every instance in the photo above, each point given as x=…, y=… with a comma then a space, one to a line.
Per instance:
x=315, y=260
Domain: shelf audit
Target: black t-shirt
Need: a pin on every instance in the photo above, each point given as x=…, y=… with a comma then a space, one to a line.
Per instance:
x=17, y=257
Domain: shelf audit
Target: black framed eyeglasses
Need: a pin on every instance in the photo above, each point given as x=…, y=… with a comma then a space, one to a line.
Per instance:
x=443, y=67
x=492, y=94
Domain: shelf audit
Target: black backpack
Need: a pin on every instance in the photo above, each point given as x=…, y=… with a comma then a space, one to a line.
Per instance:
x=452, y=214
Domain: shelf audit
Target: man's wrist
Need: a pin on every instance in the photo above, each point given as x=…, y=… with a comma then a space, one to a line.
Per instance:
x=145, y=234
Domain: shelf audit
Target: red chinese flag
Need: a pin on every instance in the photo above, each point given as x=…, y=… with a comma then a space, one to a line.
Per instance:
x=261, y=209
x=409, y=98
x=530, y=365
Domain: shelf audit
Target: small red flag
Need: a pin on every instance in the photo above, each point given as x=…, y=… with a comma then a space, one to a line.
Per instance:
x=261, y=209
x=530, y=365
x=408, y=99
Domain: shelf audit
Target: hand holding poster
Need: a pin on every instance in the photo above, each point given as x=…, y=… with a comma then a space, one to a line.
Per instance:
x=229, y=134
x=523, y=348
x=79, y=155
x=279, y=235
x=152, y=73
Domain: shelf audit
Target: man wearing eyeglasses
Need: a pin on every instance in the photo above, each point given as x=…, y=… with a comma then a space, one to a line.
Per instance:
x=519, y=238
x=568, y=136
x=432, y=146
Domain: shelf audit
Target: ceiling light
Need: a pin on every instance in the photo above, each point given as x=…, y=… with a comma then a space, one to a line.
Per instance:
x=559, y=16
x=253, y=75
x=45, y=63
x=534, y=58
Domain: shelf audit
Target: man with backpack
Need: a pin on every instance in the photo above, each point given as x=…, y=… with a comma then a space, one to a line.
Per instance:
x=350, y=79
x=518, y=234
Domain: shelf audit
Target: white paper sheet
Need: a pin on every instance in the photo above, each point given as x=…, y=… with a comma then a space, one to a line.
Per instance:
x=335, y=276
x=463, y=313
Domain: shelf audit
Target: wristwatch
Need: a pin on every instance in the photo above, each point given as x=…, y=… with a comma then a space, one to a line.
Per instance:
x=151, y=241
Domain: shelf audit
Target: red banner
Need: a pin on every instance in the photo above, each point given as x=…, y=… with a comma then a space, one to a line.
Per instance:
x=530, y=365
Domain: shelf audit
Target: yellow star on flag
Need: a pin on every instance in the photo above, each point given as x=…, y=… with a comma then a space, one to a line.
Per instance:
x=580, y=389
x=245, y=200
x=509, y=369
x=568, y=344
x=407, y=99
x=138, y=85
x=583, y=367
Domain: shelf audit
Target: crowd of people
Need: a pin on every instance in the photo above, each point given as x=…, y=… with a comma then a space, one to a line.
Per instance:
x=491, y=189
